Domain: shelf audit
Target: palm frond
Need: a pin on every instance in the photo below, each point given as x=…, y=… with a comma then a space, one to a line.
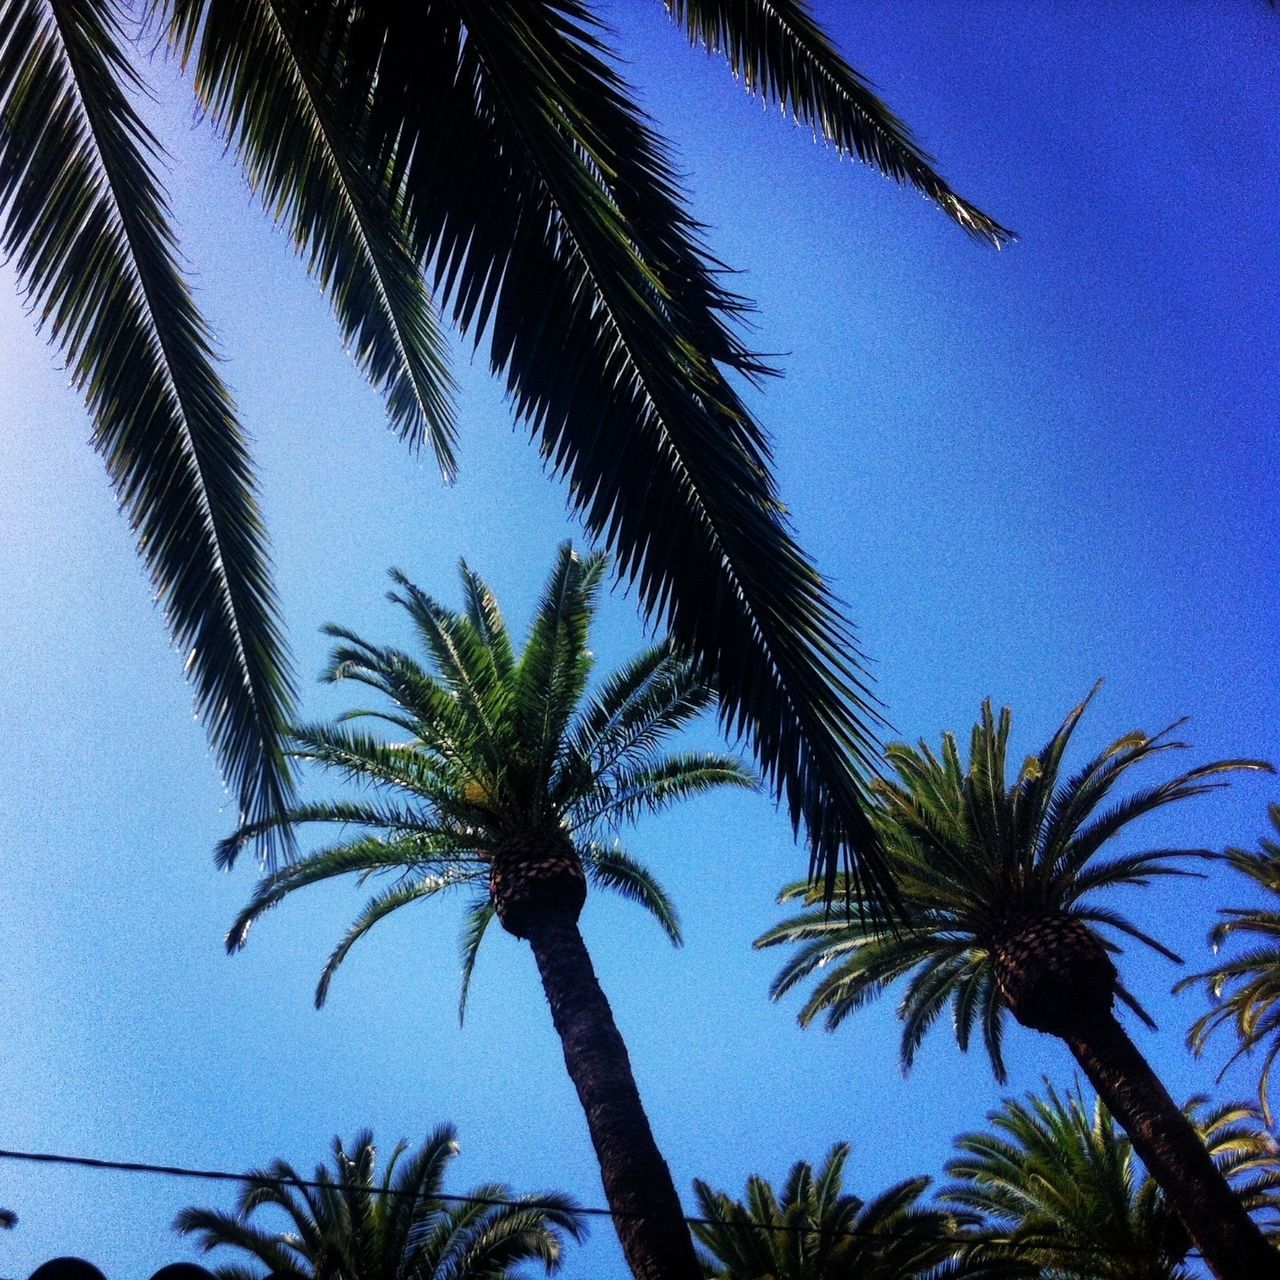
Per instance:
x=612, y=868
x=256, y=75
x=87, y=224
x=782, y=56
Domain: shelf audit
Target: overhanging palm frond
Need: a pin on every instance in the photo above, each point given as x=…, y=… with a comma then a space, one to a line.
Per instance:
x=88, y=227
x=782, y=56
x=553, y=221
x=256, y=75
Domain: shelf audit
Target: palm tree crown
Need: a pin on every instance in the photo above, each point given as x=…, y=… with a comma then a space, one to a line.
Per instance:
x=503, y=749
x=988, y=868
x=353, y=1223
x=486, y=162
x=817, y=1231
x=1059, y=1181
x=1245, y=989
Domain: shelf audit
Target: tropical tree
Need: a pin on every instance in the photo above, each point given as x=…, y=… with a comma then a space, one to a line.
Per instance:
x=488, y=162
x=509, y=783
x=817, y=1231
x=1245, y=990
x=999, y=881
x=352, y=1223
x=1055, y=1179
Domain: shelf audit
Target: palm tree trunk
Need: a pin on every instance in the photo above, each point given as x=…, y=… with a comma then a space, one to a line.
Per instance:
x=1230, y=1241
x=637, y=1183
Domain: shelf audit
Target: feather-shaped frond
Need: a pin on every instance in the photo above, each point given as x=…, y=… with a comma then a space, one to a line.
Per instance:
x=256, y=74
x=782, y=56
x=87, y=224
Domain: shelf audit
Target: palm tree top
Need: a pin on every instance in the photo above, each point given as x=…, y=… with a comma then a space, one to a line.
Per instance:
x=979, y=857
x=1056, y=1177
x=351, y=1220
x=815, y=1230
x=493, y=744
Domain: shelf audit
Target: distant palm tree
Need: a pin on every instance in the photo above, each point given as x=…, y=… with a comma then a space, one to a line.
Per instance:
x=505, y=781
x=490, y=162
x=998, y=880
x=816, y=1231
x=1246, y=989
x=359, y=1225
x=1057, y=1180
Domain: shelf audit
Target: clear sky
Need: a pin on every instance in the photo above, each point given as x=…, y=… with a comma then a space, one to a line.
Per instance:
x=1023, y=471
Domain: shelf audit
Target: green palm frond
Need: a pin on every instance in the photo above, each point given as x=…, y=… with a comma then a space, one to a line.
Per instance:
x=972, y=850
x=360, y=1223
x=256, y=76
x=613, y=868
x=88, y=227
x=1244, y=991
x=782, y=56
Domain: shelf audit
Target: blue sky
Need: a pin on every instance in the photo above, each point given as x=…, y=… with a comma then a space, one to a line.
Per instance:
x=1023, y=471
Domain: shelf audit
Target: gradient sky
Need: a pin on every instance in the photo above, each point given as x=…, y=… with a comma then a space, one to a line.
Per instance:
x=1023, y=471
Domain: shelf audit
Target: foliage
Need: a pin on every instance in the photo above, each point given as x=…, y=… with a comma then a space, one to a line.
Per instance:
x=488, y=161
x=1060, y=1181
x=498, y=742
x=816, y=1231
x=1245, y=990
x=357, y=1224
x=974, y=854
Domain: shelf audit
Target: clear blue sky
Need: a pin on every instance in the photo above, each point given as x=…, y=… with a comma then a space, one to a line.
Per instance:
x=1023, y=471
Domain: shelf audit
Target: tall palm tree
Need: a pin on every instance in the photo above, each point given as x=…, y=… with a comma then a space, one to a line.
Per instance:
x=484, y=160
x=998, y=880
x=352, y=1223
x=508, y=778
x=817, y=1231
x=1245, y=990
x=1054, y=1178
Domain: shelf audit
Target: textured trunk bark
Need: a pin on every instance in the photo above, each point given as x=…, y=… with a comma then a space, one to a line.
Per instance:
x=637, y=1183
x=1229, y=1240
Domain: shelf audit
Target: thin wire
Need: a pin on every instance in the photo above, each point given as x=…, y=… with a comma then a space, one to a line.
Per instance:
x=260, y=1179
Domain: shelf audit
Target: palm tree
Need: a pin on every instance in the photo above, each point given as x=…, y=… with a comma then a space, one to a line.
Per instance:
x=1246, y=990
x=816, y=1231
x=1055, y=1179
x=998, y=880
x=504, y=785
x=350, y=1223
x=496, y=148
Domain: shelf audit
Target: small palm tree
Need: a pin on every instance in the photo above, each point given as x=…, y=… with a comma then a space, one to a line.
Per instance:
x=350, y=1223
x=816, y=1231
x=505, y=781
x=1246, y=990
x=1057, y=1180
x=999, y=881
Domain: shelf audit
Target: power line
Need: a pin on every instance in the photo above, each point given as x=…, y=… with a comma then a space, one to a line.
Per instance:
x=224, y=1175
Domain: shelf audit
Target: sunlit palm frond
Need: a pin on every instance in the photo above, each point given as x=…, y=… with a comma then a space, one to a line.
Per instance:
x=87, y=224
x=256, y=74
x=782, y=56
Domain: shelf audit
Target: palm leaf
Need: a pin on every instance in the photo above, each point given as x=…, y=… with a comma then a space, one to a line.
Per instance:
x=87, y=223
x=256, y=75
